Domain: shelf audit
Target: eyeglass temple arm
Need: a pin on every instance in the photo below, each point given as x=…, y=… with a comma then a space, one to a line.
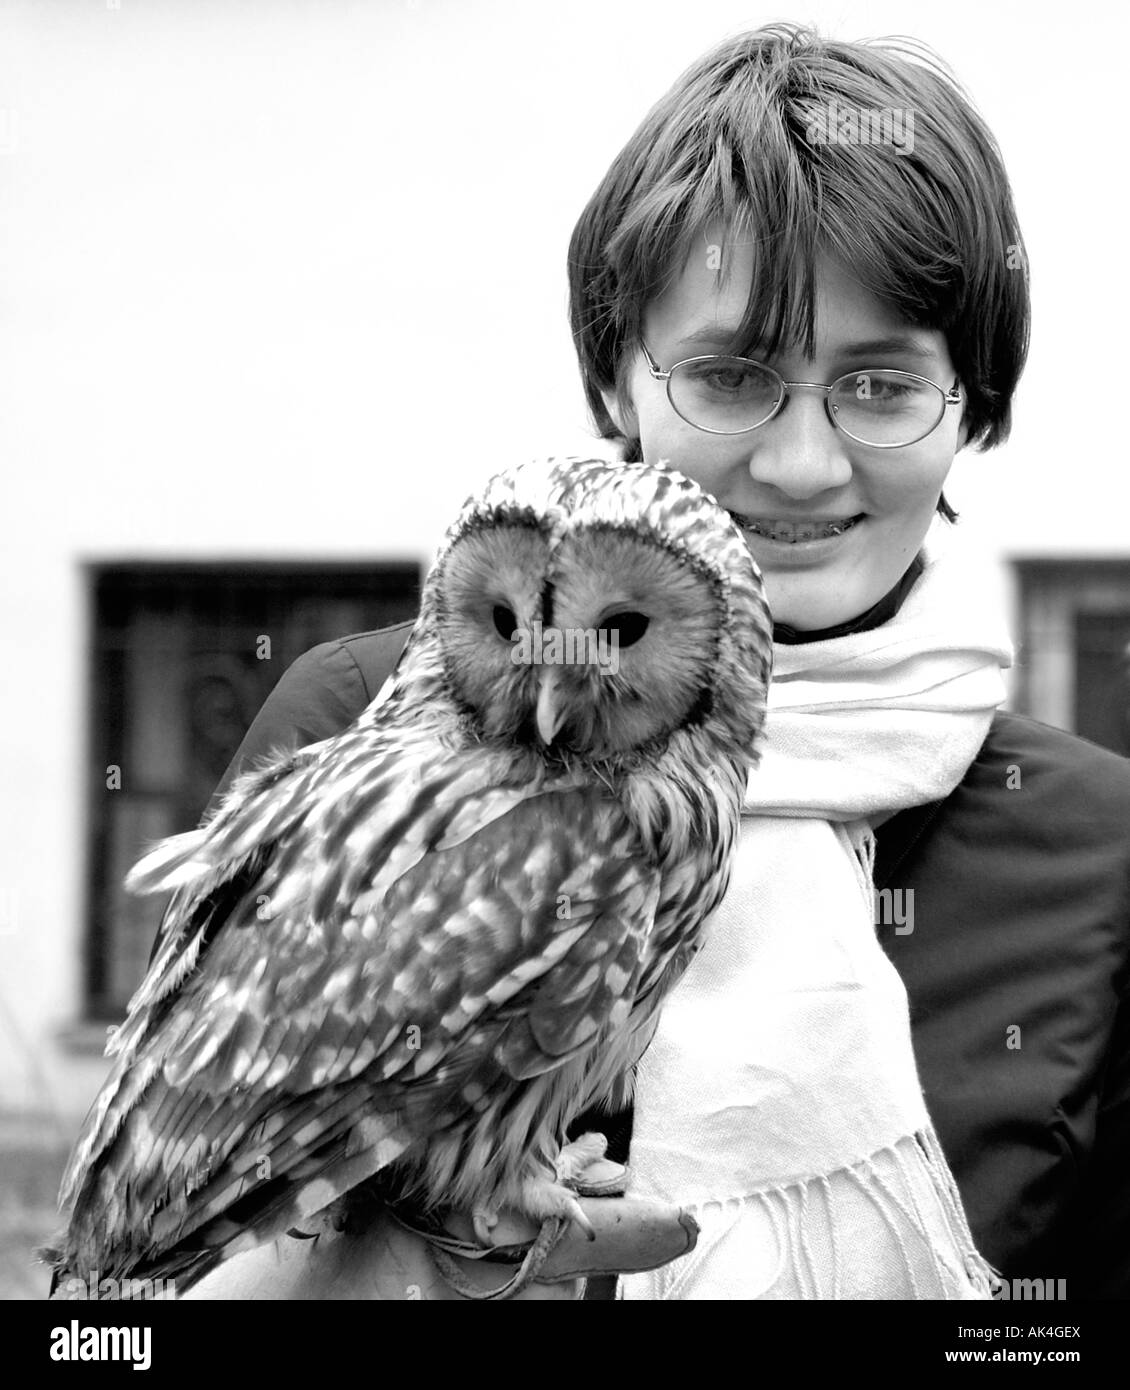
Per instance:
x=653, y=366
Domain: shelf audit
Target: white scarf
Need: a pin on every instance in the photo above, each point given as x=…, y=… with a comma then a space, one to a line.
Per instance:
x=779, y=1100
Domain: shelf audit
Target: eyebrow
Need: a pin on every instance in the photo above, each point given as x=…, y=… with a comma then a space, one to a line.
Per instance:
x=717, y=336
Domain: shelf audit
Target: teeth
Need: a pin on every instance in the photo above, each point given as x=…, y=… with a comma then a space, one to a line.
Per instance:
x=793, y=532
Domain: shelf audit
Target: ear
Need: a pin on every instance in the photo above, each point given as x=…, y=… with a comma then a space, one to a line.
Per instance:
x=963, y=428
x=623, y=414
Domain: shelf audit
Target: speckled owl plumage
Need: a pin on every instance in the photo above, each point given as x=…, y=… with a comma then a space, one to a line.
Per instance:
x=366, y=966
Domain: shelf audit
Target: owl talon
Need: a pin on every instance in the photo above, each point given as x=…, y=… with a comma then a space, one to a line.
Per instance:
x=484, y=1221
x=576, y=1156
x=545, y=1197
x=577, y=1214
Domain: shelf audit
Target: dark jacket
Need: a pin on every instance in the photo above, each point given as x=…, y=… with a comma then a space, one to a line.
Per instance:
x=1017, y=970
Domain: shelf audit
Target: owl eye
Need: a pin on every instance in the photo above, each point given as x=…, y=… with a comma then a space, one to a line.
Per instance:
x=504, y=621
x=630, y=627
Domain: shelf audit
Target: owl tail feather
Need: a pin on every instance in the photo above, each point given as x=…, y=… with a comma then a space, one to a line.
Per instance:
x=52, y=1256
x=177, y=1277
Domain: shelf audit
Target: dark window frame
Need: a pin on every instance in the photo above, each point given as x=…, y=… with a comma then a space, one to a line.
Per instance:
x=387, y=590
x=1055, y=595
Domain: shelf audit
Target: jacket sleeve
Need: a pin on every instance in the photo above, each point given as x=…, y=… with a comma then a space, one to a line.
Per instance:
x=317, y=696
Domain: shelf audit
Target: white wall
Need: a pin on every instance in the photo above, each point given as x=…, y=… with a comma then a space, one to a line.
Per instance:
x=240, y=242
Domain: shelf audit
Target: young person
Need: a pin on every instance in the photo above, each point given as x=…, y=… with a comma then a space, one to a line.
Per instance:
x=802, y=284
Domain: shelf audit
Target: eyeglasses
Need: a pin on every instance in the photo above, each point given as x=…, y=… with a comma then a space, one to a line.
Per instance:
x=879, y=407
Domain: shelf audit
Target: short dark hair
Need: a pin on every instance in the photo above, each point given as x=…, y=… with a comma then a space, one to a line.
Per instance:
x=930, y=231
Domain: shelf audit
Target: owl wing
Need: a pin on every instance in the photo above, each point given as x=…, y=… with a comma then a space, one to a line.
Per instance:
x=423, y=926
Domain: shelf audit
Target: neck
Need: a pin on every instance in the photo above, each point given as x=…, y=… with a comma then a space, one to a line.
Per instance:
x=875, y=616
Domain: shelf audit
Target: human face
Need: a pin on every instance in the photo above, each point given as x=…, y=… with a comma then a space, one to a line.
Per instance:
x=798, y=467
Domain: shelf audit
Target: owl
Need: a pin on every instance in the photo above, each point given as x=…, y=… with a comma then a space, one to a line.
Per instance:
x=414, y=952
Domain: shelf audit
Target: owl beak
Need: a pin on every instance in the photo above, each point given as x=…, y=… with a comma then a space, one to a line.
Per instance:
x=551, y=706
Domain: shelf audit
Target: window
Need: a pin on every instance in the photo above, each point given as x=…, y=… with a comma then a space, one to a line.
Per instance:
x=182, y=658
x=1075, y=654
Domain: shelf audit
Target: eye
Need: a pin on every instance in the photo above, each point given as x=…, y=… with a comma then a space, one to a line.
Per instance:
x=629, y=627
x=504, y=621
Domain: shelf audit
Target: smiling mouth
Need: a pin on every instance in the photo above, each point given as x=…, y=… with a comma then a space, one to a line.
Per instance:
x=794, y=532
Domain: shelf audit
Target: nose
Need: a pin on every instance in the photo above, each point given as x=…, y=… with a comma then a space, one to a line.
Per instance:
x=799, y=452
